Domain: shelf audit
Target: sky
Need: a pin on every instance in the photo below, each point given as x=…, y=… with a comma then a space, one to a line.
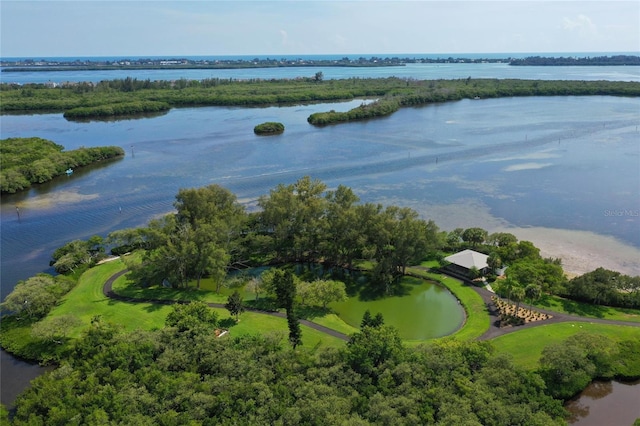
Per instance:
x=304, y=27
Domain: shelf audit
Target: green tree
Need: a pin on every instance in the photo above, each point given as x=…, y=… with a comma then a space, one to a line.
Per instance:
x=342, y=242
x=454, y=238
x=366, y=319
x=78, y=253
x=285, y=288
x=32, y=298
x=255, y=285
x=517, y=295
x=324, y=292
x=292, y=214
x=372, y=347
x=533, y=292
x=55, y=329
x=474, y=236
x=501, y=239
x=235, y=304
x=568, y=367
x=494, y=263
x=473, y=273
x=189, y=316
x=215, y=218
x=295, y=332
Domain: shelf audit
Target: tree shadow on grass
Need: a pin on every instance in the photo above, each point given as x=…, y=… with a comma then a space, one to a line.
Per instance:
x=584, y=309
x=572, y=307
x=227, y=323
x=263, y=304
x=311, y=312
x=154, y=307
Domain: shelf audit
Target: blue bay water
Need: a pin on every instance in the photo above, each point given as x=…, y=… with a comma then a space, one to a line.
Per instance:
x=559, y=162
x=416, y=71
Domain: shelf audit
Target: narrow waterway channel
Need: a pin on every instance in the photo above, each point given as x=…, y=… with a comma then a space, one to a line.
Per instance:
x=16, y=375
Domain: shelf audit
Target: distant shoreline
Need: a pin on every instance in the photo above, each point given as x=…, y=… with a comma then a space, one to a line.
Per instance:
x=30, y=65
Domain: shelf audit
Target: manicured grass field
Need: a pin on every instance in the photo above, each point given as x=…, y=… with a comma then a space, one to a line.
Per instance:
x=86, y=301
x=526, y=345
x=567, y=306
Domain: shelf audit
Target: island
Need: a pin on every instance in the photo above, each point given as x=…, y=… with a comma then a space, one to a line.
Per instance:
x=269, y=128
x=122, y=96
x=35, y=160
x=617, y=60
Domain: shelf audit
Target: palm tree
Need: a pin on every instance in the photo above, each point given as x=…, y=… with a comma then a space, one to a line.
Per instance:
x=517, y=294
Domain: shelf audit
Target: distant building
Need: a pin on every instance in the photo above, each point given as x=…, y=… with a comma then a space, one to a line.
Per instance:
x=461, y=263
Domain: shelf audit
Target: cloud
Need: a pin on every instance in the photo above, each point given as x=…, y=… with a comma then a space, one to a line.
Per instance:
x=284, y=37
x=582, y=24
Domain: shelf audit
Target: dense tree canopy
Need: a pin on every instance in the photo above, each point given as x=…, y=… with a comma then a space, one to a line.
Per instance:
x=33, y=298
x=35, y=160
x=184, y=374
x=302, y=222
x=115, y=96
x=604, y=287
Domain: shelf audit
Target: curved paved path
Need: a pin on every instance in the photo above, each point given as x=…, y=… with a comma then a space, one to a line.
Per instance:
x=107, y=290
x=492, y=332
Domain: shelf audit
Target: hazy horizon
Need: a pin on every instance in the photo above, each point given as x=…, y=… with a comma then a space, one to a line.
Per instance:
x=277, y=28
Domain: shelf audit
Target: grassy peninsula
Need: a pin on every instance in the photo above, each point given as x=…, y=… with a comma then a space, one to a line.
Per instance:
x=390, y=94
x=34, y=160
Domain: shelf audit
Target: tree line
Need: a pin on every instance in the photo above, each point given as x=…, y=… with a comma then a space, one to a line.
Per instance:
x=34, y=160
x=114, y=110
x=390, y=93
x=571, y=61
x=211, y=234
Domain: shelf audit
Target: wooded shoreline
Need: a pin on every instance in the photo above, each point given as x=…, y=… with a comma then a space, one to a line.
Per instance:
x=96, y=99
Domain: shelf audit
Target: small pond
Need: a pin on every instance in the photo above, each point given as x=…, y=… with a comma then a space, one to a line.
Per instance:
x=425, y=311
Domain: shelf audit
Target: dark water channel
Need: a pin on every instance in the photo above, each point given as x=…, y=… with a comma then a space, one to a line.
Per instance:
x=15, y=376
x=608, y=403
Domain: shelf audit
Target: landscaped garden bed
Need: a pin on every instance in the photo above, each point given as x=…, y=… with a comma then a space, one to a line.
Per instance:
x=510, y=314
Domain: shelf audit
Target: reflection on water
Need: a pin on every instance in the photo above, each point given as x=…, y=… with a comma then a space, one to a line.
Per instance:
x=425, y=312
x=16, y=376
x=606, y=403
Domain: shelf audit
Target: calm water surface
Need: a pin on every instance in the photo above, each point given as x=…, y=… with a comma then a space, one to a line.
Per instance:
x=425, y=312
x=418, y=71
x=606, y=403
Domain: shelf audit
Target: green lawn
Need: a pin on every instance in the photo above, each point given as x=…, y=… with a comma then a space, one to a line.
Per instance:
x=86, y=301
x=526, y=345
x=252, y=323
x=567, y=306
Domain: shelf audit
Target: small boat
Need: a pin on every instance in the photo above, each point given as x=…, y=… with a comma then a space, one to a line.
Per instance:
x=69, y=171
